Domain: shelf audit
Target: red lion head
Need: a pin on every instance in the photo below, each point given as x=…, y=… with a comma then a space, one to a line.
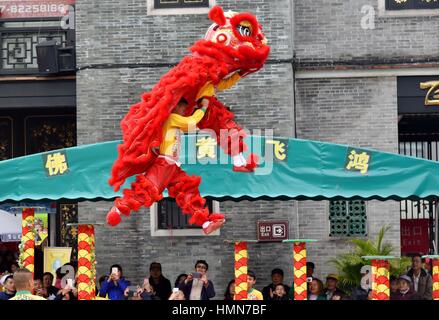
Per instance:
x=241, y=32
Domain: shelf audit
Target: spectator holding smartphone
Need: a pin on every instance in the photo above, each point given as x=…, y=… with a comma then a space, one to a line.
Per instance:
x=38, y=288
x=177, y=295
x=69, y=292
x=161, y=285
x=115, y=285
x=197, y=286
x=147, y=292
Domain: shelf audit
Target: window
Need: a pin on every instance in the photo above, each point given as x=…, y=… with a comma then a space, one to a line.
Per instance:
x=411, y=4
x=407, y=8
x=166, y=4
x=167, y=219
x=6, y=137
x=173, y=7
x=18, y=41
x=347, y=218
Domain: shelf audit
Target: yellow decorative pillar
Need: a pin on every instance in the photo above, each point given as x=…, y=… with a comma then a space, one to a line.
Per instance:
x=241, y=268
x=299, y=268
x=86, y=263
x=380, y=276
x=27, y=257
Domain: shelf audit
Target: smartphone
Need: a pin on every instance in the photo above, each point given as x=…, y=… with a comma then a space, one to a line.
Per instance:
x=132, y=288
x=70, y=283
x=175, y=290
x=196, y=275
x=145, y=281
x=114, y=270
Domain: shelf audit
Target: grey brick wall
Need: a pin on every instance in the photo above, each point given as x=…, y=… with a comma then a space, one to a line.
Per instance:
x=330, y=30
x=360, y=112
x=122, y=32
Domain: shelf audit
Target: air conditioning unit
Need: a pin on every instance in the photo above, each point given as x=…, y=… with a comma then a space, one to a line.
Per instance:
x=53, y=59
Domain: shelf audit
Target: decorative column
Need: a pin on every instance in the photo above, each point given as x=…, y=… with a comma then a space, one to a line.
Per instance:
x=27, y=256
x=241, y=268
x=86, y=262
x=380, y=276
x=435, y=272
x=299, y=268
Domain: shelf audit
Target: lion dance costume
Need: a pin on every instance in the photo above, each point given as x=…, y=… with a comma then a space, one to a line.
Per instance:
x=234, y=47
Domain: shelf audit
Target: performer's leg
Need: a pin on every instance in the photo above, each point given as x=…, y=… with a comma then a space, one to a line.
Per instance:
x=144, y=191
x=184, y=189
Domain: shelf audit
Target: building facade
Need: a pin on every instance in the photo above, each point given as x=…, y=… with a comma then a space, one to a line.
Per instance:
x=333, y=75
x=37, y=107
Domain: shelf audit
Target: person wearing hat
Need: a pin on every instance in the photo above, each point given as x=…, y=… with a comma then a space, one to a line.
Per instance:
x=277, y=277
x=331, y=287
x=161, y=285
x=405, y=292
x=8, y=284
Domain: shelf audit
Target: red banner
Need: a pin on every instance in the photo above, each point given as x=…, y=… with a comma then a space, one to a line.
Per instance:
x=10, y=9
x=414, y=236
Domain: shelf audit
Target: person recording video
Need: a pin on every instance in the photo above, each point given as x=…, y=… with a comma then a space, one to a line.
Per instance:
x=197, y=286
x=116, y=284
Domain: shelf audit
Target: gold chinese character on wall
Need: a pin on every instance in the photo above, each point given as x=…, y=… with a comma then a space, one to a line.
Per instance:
x=357, y=161
x=432, y=96
x=206, y=148
x=55, y=163
x=280, y=149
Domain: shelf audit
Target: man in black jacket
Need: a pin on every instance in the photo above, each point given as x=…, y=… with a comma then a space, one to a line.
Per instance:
x=161, y=285
x=277, y=277
x=422, y=283
x=197, y=286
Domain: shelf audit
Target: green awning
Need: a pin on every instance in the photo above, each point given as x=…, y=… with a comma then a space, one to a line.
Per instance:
x=300, y=169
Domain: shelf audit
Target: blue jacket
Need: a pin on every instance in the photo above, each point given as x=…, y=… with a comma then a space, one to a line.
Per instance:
x=115, y=292
x=5, y=296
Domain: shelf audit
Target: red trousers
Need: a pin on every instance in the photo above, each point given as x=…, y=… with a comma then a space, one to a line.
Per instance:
x=149, y=186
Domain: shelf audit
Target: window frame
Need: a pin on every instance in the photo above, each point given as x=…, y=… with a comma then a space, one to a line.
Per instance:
x=383, y=12
x=152, y=11
x=190, y=232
